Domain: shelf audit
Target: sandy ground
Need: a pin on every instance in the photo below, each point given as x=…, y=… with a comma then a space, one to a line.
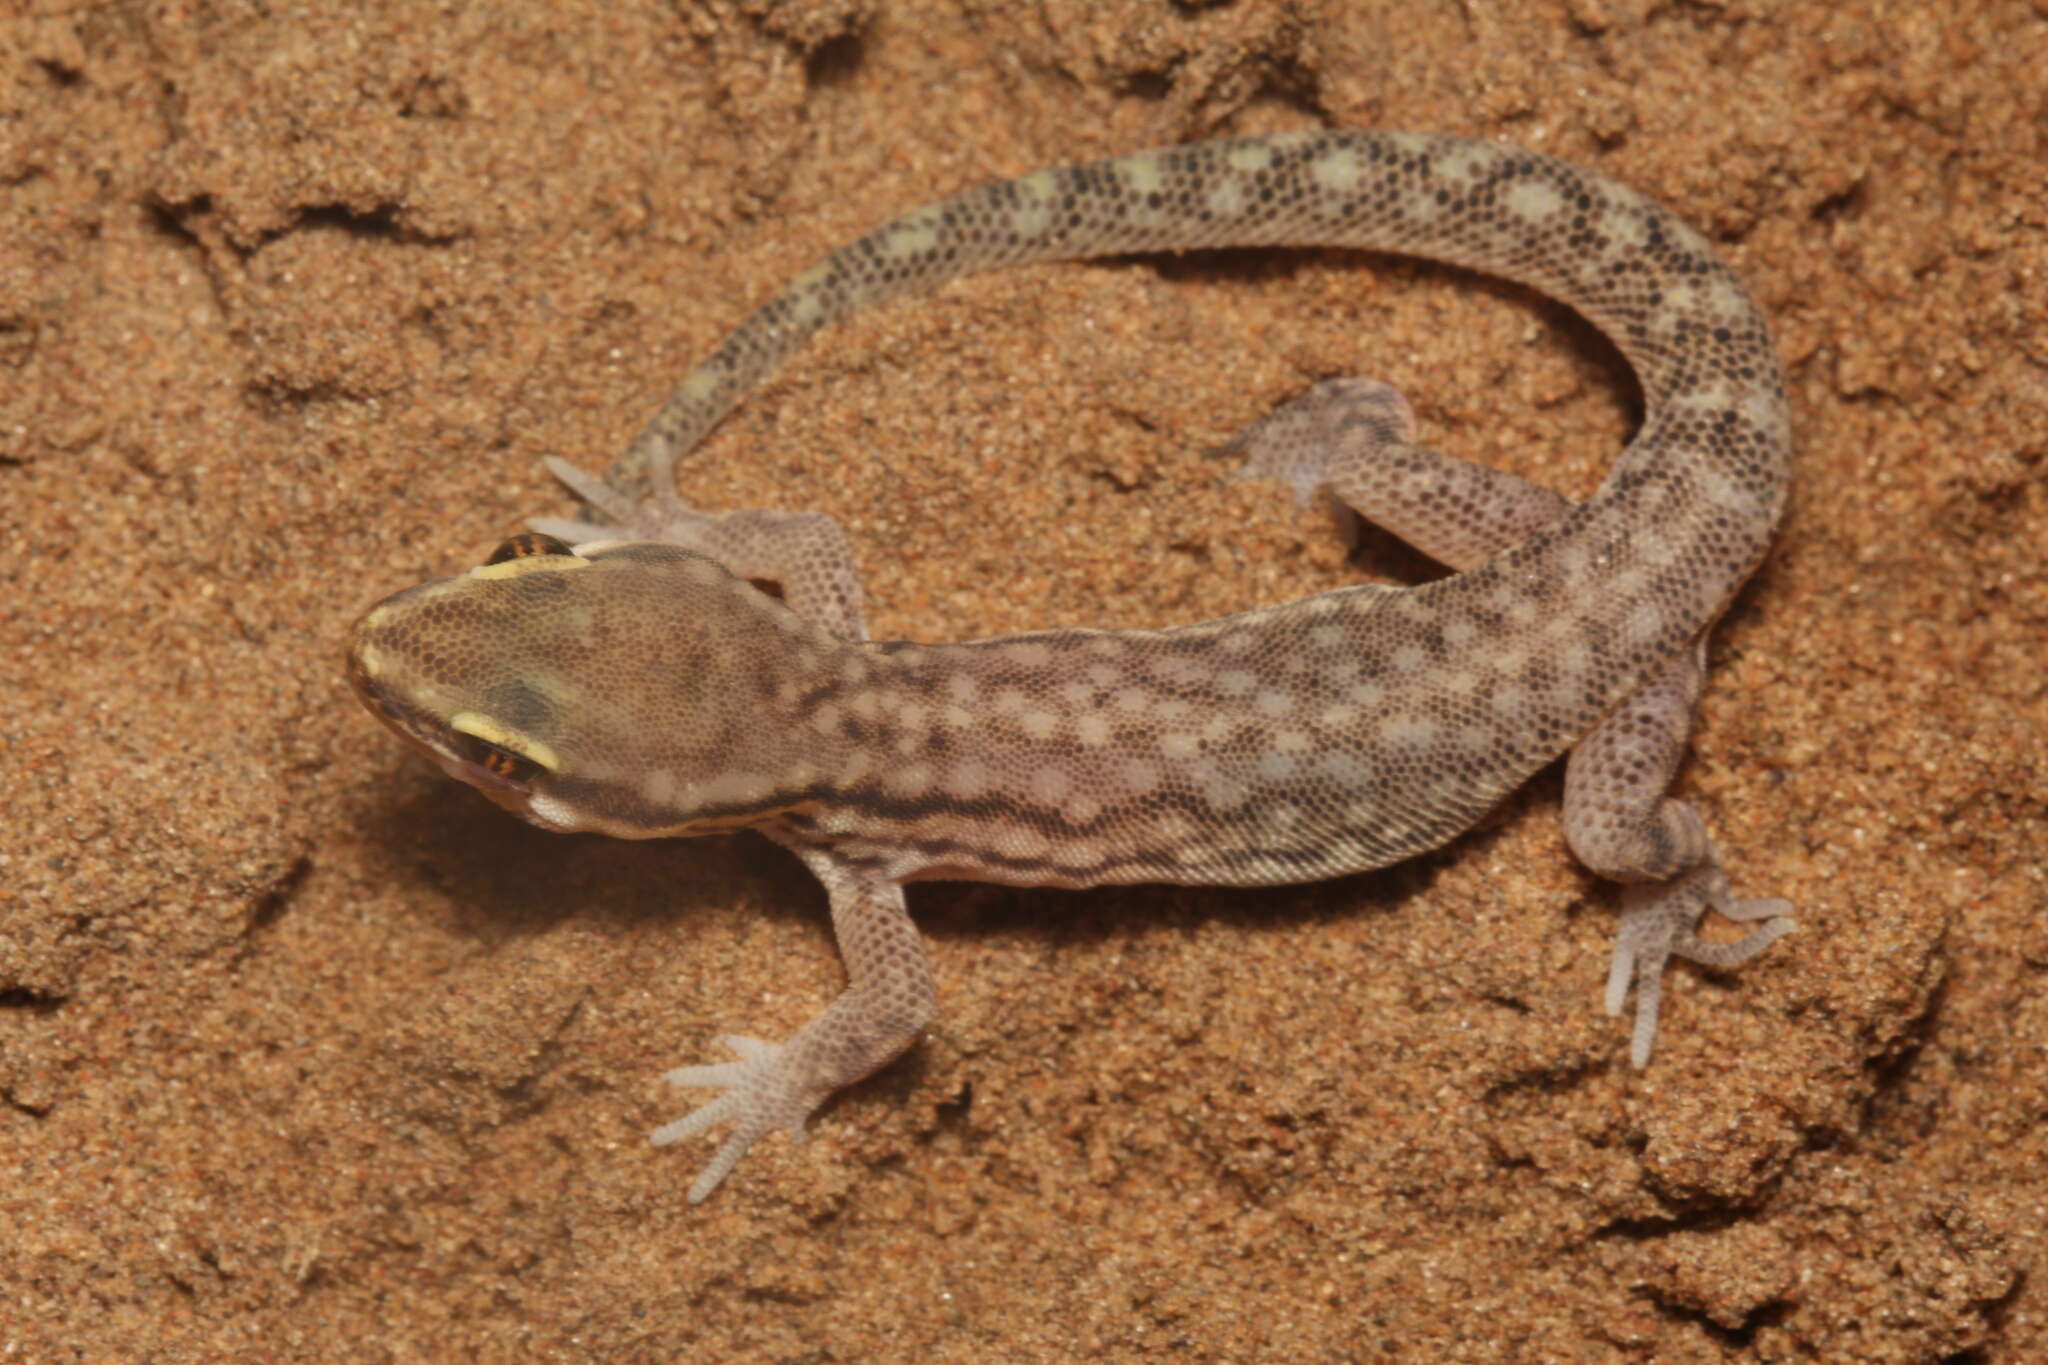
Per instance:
x=309, y=1054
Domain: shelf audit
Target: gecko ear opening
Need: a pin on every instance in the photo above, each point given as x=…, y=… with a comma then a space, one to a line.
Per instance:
x=527, y=545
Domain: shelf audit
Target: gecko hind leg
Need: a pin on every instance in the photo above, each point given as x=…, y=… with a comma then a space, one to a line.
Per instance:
x=1621, y=825
x=1353, y=441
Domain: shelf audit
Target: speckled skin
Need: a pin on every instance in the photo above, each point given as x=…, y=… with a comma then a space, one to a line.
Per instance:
x=638, y=685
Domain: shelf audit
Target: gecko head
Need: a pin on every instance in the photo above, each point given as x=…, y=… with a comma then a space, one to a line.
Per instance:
x=620, y=686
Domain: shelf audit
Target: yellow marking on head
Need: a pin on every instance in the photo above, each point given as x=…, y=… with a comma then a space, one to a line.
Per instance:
x=512, y=568
x=369, y=657
x=490, y=731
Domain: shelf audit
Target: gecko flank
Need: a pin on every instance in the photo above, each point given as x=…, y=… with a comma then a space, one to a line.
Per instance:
x=622, y=674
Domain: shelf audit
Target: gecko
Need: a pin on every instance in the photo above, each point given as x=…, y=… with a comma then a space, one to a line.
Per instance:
x=648, y=670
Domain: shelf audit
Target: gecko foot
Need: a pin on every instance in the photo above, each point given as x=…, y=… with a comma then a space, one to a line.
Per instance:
x=613, y=515
x=1299, y=441
x=804, y=556
x=761, y=1095
x=1657, y=923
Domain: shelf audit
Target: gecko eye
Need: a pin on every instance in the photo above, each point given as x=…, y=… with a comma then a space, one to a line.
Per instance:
x=496, y=759
x=526, y=545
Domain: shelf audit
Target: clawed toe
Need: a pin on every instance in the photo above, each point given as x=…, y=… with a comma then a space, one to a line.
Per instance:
x=1657, y=924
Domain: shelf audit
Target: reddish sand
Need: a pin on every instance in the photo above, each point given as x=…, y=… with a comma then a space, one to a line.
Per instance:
x=307, y=1053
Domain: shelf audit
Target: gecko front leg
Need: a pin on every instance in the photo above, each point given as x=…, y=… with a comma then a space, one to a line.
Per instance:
x=807, y=555
x=889, y=998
